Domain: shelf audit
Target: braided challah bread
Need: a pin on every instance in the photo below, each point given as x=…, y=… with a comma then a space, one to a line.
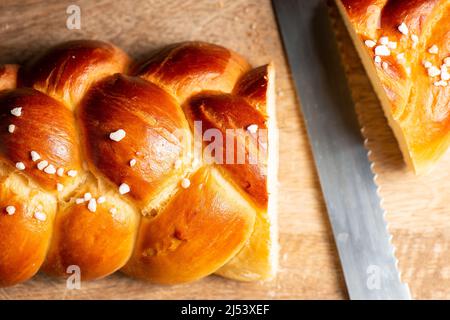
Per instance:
x=405, y=48
x=99, y=166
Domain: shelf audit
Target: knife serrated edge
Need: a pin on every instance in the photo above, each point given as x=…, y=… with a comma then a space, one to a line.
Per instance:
x=309, y=17
x=340, y=33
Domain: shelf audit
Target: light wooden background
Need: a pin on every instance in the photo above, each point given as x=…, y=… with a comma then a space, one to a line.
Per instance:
x=418, y=207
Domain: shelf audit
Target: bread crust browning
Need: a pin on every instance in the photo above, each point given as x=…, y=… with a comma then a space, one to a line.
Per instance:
x=69, y=69
x=104, y=245
x=23, y=240
x=230, y=112
x=176, y=247
x=45, y=126
x=414, y=90
x=149, y=116
x=188, y=68
x=74, y=194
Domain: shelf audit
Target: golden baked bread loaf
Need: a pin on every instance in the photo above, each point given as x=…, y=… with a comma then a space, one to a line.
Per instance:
x=102, y=167
x=405, y=48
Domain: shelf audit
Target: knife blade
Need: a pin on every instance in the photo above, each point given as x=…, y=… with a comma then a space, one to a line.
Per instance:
x=345, y=174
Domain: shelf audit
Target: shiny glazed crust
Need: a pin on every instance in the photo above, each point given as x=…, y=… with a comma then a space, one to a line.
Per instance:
x=72, y=193
x=411, y=77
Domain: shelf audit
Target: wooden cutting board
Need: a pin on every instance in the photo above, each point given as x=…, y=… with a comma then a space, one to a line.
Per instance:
x=418, y=207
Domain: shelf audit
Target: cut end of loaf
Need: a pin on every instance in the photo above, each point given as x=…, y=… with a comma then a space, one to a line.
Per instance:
x=371, y=70
x=258, y=260
x=272, y=176
x=406, y=63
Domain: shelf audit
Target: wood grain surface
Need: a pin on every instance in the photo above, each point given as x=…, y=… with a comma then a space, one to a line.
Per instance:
x=418, y=207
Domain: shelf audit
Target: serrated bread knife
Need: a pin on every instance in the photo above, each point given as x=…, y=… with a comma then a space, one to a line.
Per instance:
x=345, y=174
